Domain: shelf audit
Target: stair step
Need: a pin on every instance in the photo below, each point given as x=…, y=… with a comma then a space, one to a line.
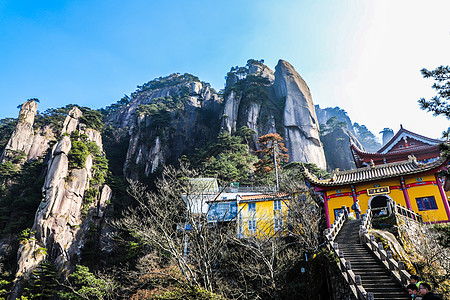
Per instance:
x=374, y=276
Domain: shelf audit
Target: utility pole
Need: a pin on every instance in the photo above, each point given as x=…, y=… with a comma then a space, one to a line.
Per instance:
x=275, y=146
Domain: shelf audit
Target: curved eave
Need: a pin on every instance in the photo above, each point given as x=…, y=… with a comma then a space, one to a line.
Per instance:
x=405, y=151
x=375, y=173
x=402, y=130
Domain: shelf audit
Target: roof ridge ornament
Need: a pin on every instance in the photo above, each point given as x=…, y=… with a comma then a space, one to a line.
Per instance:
x=412, y=158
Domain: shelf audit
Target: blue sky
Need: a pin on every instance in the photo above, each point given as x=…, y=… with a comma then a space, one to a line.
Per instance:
x=363, y=56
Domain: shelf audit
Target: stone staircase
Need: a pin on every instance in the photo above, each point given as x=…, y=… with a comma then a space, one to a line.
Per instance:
x=375, y=278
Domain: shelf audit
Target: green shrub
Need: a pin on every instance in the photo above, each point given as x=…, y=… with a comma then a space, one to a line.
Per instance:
x=78, y=155
x=90, y=195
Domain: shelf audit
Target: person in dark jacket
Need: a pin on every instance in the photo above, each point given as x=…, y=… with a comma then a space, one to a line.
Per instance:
x=426, y=293
x=413, y=290
x=416, y=280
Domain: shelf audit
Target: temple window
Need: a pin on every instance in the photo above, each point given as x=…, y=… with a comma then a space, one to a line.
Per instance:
x=252, y=206
x=426, y=203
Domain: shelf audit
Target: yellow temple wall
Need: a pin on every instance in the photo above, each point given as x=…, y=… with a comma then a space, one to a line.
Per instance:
x=414, y=192
x=336, y=202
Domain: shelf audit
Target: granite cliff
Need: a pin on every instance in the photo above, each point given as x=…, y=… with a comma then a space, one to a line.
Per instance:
x=65, y=213
x=274, y=102
x=172, y=116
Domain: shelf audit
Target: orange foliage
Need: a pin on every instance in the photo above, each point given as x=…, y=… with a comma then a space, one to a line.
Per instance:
x=267, y=143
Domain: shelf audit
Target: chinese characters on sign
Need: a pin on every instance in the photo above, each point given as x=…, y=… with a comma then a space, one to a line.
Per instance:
x=378, y=191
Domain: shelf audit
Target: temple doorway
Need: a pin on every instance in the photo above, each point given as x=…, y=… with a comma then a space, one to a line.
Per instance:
x=379, y=205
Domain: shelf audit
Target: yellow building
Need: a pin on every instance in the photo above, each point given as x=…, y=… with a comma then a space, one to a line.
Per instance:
x=263, y=214
x=409, y=183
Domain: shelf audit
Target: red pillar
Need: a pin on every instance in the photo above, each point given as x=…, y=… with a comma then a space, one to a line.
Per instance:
x=327, y=213
x=405, y=193
x=355, y=198
x=443, y=196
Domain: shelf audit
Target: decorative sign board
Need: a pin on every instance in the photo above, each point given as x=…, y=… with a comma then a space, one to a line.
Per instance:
x=378, y=191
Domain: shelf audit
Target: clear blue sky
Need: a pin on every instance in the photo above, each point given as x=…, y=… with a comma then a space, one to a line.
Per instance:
x=364, y=56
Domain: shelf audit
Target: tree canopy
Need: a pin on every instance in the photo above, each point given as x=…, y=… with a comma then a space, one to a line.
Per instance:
x=271, y=146
x=439, y=104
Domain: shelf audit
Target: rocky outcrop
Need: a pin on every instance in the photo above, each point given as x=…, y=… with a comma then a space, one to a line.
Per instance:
x=255, y=97
x=164, y=135
x=337, y=149
x=324, y=114
x=59, y=225
x=22, y=137
x=258, y=68
x=300, y=121
x=71, y=122
x=280, y=104
x=388, y=134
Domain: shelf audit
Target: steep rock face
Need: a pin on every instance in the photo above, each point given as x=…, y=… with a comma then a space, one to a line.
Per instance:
x=300, y=121
x=230, y=111
x=167, y=122
x=59, y=225
x=324, y=114
x=23, y=134
x=337, y=150
x=40, y=142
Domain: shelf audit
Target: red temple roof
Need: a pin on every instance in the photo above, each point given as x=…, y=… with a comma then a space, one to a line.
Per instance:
x=402, y=144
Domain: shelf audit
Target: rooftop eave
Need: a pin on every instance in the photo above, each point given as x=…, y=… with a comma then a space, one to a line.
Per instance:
x=374, y=173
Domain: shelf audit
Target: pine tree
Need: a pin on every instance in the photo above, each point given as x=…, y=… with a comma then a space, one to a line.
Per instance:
x=440, y=104
x=43, y=285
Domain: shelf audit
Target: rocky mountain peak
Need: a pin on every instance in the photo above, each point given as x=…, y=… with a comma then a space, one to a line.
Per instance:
x=300, y=120
x=22, y=136
x=258, y=68
x=71, y=122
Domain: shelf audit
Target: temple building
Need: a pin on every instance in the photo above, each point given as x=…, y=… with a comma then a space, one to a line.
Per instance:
x=405, y=171
x=398, y=148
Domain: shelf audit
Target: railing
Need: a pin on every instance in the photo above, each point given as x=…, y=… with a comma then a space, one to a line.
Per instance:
x=332, y=232
x=354, y=281
x=400, y=210
x=396, y=269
